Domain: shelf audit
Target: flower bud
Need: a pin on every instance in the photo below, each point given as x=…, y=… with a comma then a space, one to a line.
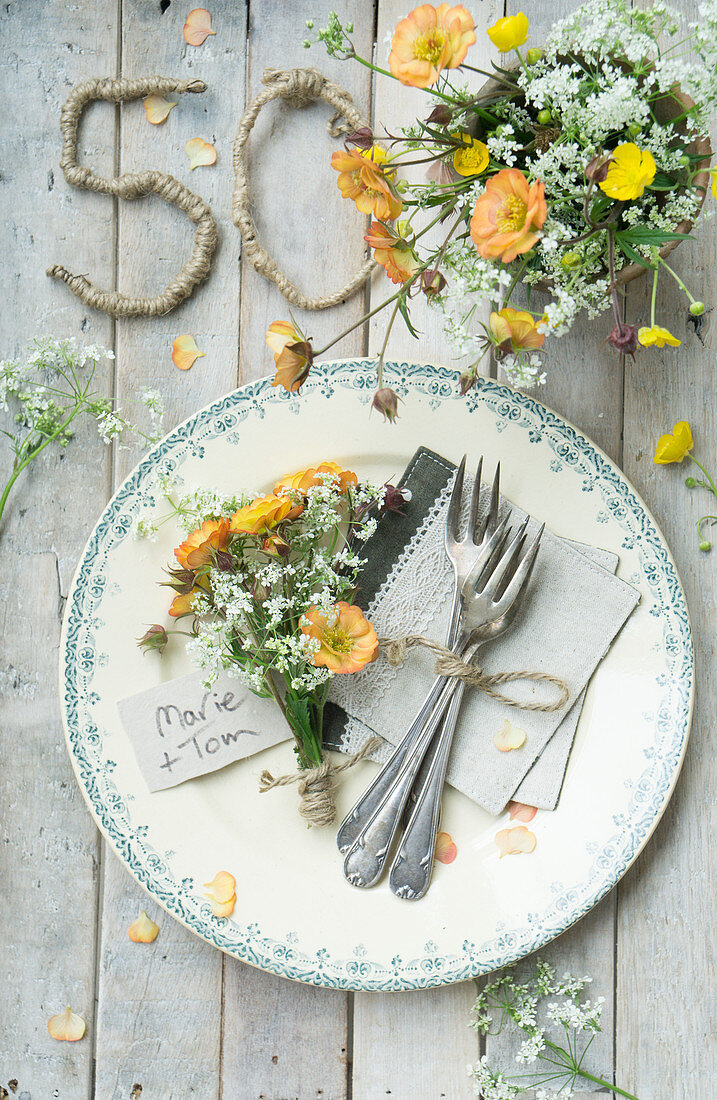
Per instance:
x=596, y=170
x=441, y=115
x=394, y=498
x=385, y=401
x=276, y=546
x=705, y=546
x=258, y=591
x=690, y=482
x=545, y=116
x=362, y=139
x=403, y=228
x=697, y=309
x=570, y=260
x=624, y=339
x=224, y=561
x=634, y=129
x=684, y=161
x=432, y=282
x=467, y=382
x=155, y=638
x=533, y=55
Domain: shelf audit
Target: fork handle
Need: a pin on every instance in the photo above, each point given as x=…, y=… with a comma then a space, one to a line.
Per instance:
x=366, y=858
x=411, y=871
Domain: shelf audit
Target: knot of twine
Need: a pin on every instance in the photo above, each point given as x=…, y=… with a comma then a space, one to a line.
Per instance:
x=299, y=88
x=315, y=785
x=134, y=186
x=447, y=664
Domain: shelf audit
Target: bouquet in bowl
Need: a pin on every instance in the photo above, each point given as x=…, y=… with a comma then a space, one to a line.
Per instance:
x=268, y=583
x=580, y=164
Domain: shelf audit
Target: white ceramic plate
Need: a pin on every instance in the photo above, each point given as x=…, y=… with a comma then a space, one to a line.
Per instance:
x=295, y=915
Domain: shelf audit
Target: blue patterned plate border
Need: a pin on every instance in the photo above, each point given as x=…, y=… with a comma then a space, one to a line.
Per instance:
x=648, y=796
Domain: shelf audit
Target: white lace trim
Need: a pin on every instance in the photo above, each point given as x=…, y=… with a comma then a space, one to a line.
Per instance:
x=418, y=585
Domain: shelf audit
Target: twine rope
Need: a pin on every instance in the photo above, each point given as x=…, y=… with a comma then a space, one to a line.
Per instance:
x=315, y=785
x=298, y=88
x=134, y=185
x=447, y=664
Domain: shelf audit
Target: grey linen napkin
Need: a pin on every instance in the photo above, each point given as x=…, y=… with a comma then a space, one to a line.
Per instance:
x=405, y=587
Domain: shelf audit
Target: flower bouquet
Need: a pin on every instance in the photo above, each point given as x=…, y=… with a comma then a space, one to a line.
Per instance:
x=572, y=170
x=268, y=583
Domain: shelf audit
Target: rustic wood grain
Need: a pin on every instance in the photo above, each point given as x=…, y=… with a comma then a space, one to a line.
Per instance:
x=159, y=1007
x=49, y=850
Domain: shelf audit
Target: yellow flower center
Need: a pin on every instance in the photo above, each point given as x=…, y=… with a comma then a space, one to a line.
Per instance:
x=337, y=639
x=429, y=47
x=511, y=215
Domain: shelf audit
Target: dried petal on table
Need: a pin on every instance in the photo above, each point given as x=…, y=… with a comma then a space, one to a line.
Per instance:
x=156, y=108
x=518, y=841
x=520, y=811
x=509, y=737
x=224, y=909
x=197, y=27
x=67, y=1026
x=143, y=930
x=200, y=152
x=445, y=850
x=221, y=888
x=185, y=352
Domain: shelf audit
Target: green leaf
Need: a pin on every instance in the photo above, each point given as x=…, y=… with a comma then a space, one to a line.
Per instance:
x=642, y=234
x=404, y=313
x=633, y=256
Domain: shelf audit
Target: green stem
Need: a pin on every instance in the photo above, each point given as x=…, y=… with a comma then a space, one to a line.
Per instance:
x=712, y=486
x=33, y=454
x=379, y=365
x=385, y=72
x=676, y=277
x=654, y=296
x=589, y=1076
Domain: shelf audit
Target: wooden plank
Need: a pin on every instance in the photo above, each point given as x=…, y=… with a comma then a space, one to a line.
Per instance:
x=282, y=1040
x=173, y=988
x=49, y=855
x=665, y=960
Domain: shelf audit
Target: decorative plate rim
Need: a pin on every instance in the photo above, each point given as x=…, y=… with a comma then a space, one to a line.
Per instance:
x=358, y=973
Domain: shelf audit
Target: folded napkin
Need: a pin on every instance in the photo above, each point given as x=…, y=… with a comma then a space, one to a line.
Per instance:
x=572, y=612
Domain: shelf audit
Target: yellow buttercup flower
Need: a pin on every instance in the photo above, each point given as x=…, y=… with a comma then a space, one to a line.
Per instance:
x=472, y=158
x=673, y=447
x=510, y=32
x=656, y=337
x=629, y=172
x=713, y=173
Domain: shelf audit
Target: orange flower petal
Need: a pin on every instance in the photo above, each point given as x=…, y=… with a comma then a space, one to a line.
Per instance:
x=156, y=108
x=198, y=26
x=512, y=842
x=143, y=930
x=222, y=887
x=519, y=811
x=199, y=152
x=509, y=737
x=445, y=850
x=185, y=352
x=224, y=909
x=67, y=1026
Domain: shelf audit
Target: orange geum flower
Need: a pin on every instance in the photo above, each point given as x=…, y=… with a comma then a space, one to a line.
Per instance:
x=261, y=515
x=364, y=181
x=197, y=549
x=311, y=475
x=515, y=329
x=508, y=215
x=429, y=40
x=399, y=259
x=183, y=602
x=293, y=355
x=347, y=639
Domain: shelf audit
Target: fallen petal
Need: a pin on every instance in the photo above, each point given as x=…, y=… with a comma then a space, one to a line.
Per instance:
x=509, y=737
x=519, y=811
x=156, y=108
x=512, y=842
x=199, y=152
x=221, y=888
x=185, y=352
x=143, y=930
x=198, y=26
x=445, y=850
x=67, y=1026
x=226, y=909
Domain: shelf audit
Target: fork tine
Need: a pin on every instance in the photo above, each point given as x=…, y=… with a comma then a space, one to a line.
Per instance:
x=453, y=517
x=516, y=589
x=475, y=503
x=490, y=552
x=504, y=569
x=490, y=520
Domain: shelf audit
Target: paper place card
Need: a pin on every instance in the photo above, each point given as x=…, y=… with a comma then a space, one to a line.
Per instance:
x=182, y=729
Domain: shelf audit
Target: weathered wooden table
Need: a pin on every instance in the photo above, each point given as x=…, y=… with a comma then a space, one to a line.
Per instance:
x=181, y=1020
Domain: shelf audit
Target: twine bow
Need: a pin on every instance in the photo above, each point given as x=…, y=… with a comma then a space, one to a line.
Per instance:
x=133, y=185
x=447, y=664
x=299, y=88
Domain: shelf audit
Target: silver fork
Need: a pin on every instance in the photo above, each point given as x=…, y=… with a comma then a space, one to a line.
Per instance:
x=462, y=554
x=499, y=598
x=366, y=858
